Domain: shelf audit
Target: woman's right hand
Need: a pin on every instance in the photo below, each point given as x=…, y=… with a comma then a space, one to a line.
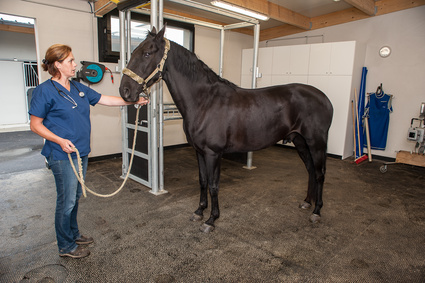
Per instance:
x=67, y=146
x=37, y=126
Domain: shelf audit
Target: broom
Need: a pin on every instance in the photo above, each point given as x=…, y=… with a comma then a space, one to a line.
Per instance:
x=364, y=157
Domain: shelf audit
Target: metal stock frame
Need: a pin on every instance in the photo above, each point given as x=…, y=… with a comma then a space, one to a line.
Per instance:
x=156, y=106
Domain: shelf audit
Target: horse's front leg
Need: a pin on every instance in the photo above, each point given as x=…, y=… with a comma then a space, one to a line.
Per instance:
x=198, y=215
x=213, y=162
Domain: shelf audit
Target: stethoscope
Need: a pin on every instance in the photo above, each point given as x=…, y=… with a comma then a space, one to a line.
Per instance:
x=66, y=96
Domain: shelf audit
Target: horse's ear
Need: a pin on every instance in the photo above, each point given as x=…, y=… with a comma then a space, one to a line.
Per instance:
x=161, y=33
x=153, y=31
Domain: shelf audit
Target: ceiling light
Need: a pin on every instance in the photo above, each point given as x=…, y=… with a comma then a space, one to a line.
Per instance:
x=240, y=10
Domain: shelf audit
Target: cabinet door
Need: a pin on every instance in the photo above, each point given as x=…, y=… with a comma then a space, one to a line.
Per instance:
x=265, y=59
x=298, y=79
x=247, y=59
x=281, y=60
x=246, y=81
x=337, y=89
x=265, y=80
x=339, y=94
x=320, y=82
x=279, y=79
x=299, y=59
x=342, y=58
x=320, y=58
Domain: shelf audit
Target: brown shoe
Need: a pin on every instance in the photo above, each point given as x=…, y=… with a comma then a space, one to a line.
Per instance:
x=83, y=240
x=79, y=252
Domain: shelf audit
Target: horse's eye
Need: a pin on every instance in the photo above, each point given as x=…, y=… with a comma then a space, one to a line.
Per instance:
x=146, y=54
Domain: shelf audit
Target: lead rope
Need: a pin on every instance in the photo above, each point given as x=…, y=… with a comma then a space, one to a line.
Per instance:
x=80, y=177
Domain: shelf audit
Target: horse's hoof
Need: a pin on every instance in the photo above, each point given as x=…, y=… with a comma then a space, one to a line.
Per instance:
x=206, y=228
x=305, y=205
x=196, y=217
x=315, y=218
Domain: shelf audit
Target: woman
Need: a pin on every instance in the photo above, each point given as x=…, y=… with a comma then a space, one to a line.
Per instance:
x=60, y=113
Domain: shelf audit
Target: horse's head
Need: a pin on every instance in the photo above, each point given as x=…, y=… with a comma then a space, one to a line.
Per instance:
x=144, y=68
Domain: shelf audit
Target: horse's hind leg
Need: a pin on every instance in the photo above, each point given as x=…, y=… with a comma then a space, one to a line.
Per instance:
x=314, y=158
x=319, y=159
x=304, y=153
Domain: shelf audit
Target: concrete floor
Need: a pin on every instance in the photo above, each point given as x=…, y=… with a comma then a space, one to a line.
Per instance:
x=372, y=229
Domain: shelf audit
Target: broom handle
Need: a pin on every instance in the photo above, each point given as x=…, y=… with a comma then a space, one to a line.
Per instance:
x=354, y=127
x=366, y=122
x=357, y=119
x=369, y=154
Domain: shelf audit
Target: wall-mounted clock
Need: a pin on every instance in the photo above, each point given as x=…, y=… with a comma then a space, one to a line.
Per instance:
x=384, y=51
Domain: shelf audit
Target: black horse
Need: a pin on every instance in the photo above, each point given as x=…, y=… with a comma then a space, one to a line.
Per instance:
x=220, y=117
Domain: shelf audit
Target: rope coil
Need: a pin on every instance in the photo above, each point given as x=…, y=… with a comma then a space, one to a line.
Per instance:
x=80, y=176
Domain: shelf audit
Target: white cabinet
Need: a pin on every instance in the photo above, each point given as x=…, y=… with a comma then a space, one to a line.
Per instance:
x=290, y=64
x=276, y=65
x=335, y=58
x=327, y=66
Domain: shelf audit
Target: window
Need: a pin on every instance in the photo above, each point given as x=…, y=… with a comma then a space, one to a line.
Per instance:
x=109, y=34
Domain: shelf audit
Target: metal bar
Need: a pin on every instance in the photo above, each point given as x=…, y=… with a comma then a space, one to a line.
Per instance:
x=154, y=116
x=221, y=52
x=123, y=108
x=297, y=37
x=161, y=112
x=254, y=81
x=238, y=25
x=128, y=26
x=145, y=11
x=255, y=56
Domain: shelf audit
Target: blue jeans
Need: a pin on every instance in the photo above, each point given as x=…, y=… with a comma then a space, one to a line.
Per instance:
x=68, y=193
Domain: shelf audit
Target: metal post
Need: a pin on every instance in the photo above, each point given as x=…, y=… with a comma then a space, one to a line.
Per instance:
x=161, y=114
x=254, y=82
x=128, y=25
x=154, y=116
x=123, y=108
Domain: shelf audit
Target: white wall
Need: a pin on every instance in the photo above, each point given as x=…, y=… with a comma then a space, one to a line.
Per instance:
x=402, y=73
x=207, y=47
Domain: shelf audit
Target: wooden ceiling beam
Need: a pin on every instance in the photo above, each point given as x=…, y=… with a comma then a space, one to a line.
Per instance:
x=102, y=7
x=260, y=6
x=274, y=11
x=297, y=25
x=190, y=16
x=287, y=16
x=341, y=17
x=366, y=6
x=14, y=28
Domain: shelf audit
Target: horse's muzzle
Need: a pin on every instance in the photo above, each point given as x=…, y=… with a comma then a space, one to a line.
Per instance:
x=126, y=94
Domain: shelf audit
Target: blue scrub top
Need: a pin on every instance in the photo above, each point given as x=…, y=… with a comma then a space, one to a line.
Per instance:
x=63, y=120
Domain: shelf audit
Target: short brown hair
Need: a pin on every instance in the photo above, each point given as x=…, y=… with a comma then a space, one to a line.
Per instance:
x=56, y=52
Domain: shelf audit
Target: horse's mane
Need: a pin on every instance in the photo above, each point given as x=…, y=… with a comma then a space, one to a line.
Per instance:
x=194, y=68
